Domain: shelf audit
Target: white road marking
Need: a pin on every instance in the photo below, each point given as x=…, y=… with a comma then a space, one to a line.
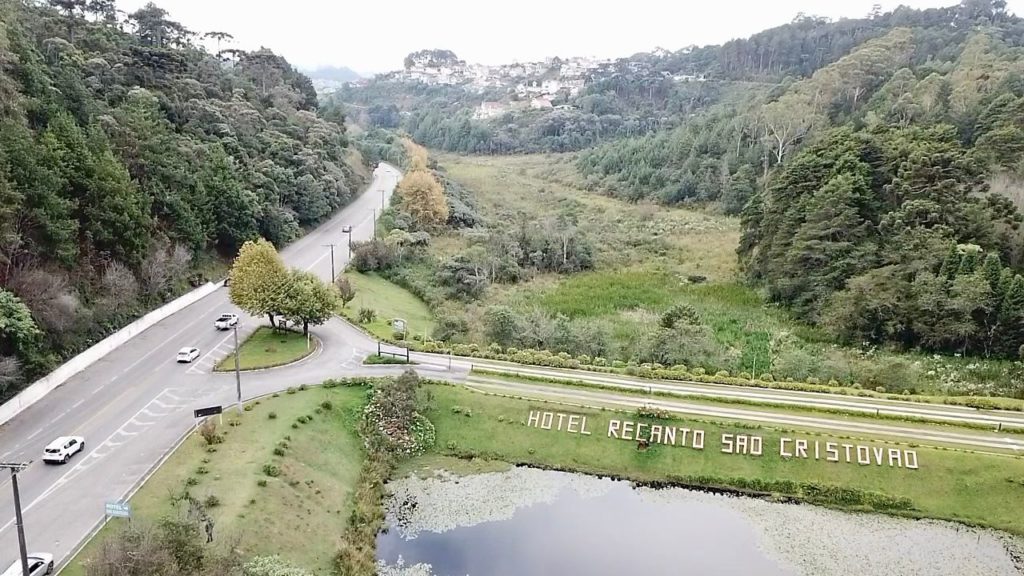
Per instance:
x=208, y=356
x=77, y=404
x=103, y=448
x=169, y=338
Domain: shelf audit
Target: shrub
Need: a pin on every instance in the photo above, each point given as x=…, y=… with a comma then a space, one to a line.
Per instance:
x=303, y=387
x=302, y=419
x=248, y=408
x=278, y=451
x=211, y=501
x=272, y=416
x=271, y=566
x=374, y=255
x=271, y=470
x=191, y=481
x=208, y=430
x=679, y=314
x=202, y=470
x=326, y=405
x=261, y=482
x=291, y=390
x=366, y=315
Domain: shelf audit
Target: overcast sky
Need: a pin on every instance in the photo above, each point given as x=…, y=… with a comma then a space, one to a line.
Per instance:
x=374, y=36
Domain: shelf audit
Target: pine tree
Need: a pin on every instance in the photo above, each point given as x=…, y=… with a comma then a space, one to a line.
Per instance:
x=833, y=245
x=1011, y=318
x=951, y=264
x=968, y=263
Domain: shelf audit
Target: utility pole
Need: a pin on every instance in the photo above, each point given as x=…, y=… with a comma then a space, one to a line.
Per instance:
x=238, y=372
x=332, y=259
x=16, y=467
x=374, y=223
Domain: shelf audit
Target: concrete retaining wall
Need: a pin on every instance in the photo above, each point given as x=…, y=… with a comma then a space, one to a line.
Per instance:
x=48, y=383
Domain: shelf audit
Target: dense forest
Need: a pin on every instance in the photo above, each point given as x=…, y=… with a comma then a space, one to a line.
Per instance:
x=131, y=157
x=880, y=195
x=876, y=164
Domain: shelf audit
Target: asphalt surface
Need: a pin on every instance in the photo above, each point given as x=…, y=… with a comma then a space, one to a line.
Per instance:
x=135, y=404
x=934, y=435
x=997, y=419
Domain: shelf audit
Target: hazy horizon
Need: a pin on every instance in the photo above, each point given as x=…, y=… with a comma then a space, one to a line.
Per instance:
x=312, y=34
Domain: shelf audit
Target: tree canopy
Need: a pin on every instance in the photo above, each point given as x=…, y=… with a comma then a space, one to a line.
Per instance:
x=132, y=159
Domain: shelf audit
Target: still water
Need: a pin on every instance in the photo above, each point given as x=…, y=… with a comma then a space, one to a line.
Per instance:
x=532, y=522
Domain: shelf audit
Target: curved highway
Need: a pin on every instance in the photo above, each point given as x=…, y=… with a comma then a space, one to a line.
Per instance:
x=134, y=405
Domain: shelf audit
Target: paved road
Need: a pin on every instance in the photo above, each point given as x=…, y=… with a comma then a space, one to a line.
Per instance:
x=997, y=419
x=596, y=398
x=134, y=404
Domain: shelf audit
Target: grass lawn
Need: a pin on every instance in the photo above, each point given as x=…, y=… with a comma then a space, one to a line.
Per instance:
x=950, y=484
x=266, y=348
x=388, y=301
x=301, y=513
x=649, y=258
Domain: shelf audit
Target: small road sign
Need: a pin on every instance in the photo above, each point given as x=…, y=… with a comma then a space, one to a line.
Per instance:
x=211, y=411
x=119, y=509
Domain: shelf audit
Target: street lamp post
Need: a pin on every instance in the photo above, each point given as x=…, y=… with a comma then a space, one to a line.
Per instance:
x=19, y=521
x=348, y=230
x=238, y=373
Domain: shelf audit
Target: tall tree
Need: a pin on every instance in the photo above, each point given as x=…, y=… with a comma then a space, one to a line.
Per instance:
x=259, y=280
x=308, y=300
x=423, y=198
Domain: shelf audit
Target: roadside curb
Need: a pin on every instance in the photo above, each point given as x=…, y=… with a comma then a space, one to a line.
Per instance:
x=131, y=492
x=314, y=353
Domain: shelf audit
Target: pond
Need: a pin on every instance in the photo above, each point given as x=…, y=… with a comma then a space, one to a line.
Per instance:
x=527, y=521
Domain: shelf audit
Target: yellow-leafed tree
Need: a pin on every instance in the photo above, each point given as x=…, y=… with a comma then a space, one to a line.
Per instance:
x=423, y=198
x=417, y=155
x=259, y=279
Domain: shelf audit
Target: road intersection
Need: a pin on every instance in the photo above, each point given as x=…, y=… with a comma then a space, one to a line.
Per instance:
x=134, y=405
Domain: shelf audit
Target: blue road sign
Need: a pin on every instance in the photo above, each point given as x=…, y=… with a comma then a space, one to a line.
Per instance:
x=119, y=509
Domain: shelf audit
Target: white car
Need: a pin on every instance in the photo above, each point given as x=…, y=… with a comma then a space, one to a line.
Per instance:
x=63, y=448
x=38, y=564
x=188, y=354
x=225, y=321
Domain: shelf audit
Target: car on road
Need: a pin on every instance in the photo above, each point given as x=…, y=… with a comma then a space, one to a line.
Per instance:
x=225, y=321
x=39, y=563
x=63, y=448
x=188, y=354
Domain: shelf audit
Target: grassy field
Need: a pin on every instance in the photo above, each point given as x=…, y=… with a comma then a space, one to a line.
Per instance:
x=266, y=348
x=299, y=514
x=955, y=485
x=649, y=258
x=389, y=302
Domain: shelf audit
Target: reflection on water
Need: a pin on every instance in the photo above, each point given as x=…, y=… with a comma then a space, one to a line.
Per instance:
x=617, y=532
x=528, y=522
